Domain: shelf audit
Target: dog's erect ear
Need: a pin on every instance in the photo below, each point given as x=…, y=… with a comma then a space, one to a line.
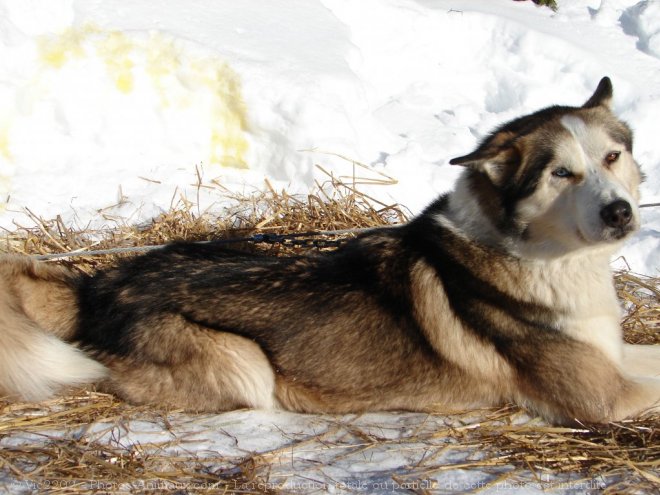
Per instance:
x=602, y=97
x=495, y=157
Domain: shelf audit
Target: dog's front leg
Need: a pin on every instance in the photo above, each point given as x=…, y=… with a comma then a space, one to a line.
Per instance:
x=641, y=360
x=568, y=381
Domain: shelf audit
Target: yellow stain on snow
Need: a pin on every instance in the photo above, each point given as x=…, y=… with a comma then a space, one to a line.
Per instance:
x=55, y=51
x=182, y=81
x=116, y=48
x=163, y=64
x=4, y=143
x=228, y=113
x=179, y=79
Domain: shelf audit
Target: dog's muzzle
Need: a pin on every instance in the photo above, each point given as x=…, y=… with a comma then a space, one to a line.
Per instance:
x=618, y=215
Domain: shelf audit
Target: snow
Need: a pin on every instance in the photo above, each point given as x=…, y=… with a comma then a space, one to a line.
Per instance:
x=110, y=106
x=108, y=109
x=371, y=453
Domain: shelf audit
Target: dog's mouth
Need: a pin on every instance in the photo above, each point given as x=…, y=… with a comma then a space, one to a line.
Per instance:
x=619, y=233
x=607, y=234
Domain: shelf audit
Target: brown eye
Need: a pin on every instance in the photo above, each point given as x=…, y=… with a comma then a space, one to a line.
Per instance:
x=612, y=157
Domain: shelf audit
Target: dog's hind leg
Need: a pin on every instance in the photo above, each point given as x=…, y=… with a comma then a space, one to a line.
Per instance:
x=194, y=368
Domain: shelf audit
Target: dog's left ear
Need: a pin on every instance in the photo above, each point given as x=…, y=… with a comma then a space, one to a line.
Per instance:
x=495, y=157
x=602, y=97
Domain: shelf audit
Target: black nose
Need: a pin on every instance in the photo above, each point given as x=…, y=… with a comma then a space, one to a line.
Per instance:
x=617, y=214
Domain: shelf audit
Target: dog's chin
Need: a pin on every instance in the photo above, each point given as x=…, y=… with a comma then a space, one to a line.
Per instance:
x=606, y=235
x=549, y=247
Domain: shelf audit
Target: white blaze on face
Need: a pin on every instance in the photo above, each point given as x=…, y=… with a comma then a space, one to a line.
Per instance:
x=597, y=183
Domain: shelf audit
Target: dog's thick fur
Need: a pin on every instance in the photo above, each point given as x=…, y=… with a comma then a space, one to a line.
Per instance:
x=500, y=291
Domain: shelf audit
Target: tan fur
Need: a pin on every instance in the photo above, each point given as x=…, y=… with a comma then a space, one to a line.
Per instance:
x=450, y=340
x=220, y=371
x=50, y=305
x=37, y=305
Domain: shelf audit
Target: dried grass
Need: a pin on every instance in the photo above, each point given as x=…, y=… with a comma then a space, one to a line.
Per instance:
x=336, y=204
x=626, y=454
x=641, y=299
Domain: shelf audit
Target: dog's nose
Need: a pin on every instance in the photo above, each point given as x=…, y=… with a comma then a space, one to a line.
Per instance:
x=617, y=214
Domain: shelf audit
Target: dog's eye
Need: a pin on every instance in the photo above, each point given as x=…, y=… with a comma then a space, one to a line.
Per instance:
x=562, y=173
x=612, y=157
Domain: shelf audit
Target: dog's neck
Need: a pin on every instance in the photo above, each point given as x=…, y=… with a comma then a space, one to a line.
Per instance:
x=577, y=284
x=466, y=216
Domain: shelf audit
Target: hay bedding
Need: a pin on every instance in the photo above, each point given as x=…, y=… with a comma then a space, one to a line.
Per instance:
x=87, y=442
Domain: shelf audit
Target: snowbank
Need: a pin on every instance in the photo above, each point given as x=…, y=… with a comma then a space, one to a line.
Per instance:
x=111, y=106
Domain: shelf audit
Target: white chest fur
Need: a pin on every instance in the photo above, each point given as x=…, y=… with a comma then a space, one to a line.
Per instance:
x=581, y=289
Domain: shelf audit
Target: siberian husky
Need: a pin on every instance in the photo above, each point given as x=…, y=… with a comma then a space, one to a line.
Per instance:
x=500, y=291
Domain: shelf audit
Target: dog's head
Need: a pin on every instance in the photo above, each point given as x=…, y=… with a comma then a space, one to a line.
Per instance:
x=560, y=179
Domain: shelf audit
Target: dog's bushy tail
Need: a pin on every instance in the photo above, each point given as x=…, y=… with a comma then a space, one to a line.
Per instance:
x=35, y=365
x=37, y=314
